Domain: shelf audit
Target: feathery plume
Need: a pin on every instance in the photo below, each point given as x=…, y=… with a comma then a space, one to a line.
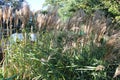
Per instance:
x=117, y=72
x=1, y=14
x=25, y=13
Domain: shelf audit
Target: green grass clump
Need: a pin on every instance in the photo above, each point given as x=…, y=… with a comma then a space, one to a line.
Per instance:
x=47, y=59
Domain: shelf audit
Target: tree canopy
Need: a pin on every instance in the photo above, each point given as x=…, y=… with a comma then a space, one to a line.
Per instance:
x=14, y=3
x=68, y=7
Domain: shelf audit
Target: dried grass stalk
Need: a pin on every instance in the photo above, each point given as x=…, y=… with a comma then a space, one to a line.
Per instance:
x=5, y=16
x=25, y=13
x=1, y=14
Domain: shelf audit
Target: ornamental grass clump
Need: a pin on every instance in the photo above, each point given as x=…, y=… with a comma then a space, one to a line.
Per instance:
x=57, y=54
x=69, y=50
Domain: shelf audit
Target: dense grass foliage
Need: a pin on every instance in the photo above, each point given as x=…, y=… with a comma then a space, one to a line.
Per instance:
x=82, y=47
x=48, y=59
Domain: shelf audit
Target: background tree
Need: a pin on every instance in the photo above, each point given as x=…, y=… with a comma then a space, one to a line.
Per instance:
x=14, y=3
x=67, y=8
